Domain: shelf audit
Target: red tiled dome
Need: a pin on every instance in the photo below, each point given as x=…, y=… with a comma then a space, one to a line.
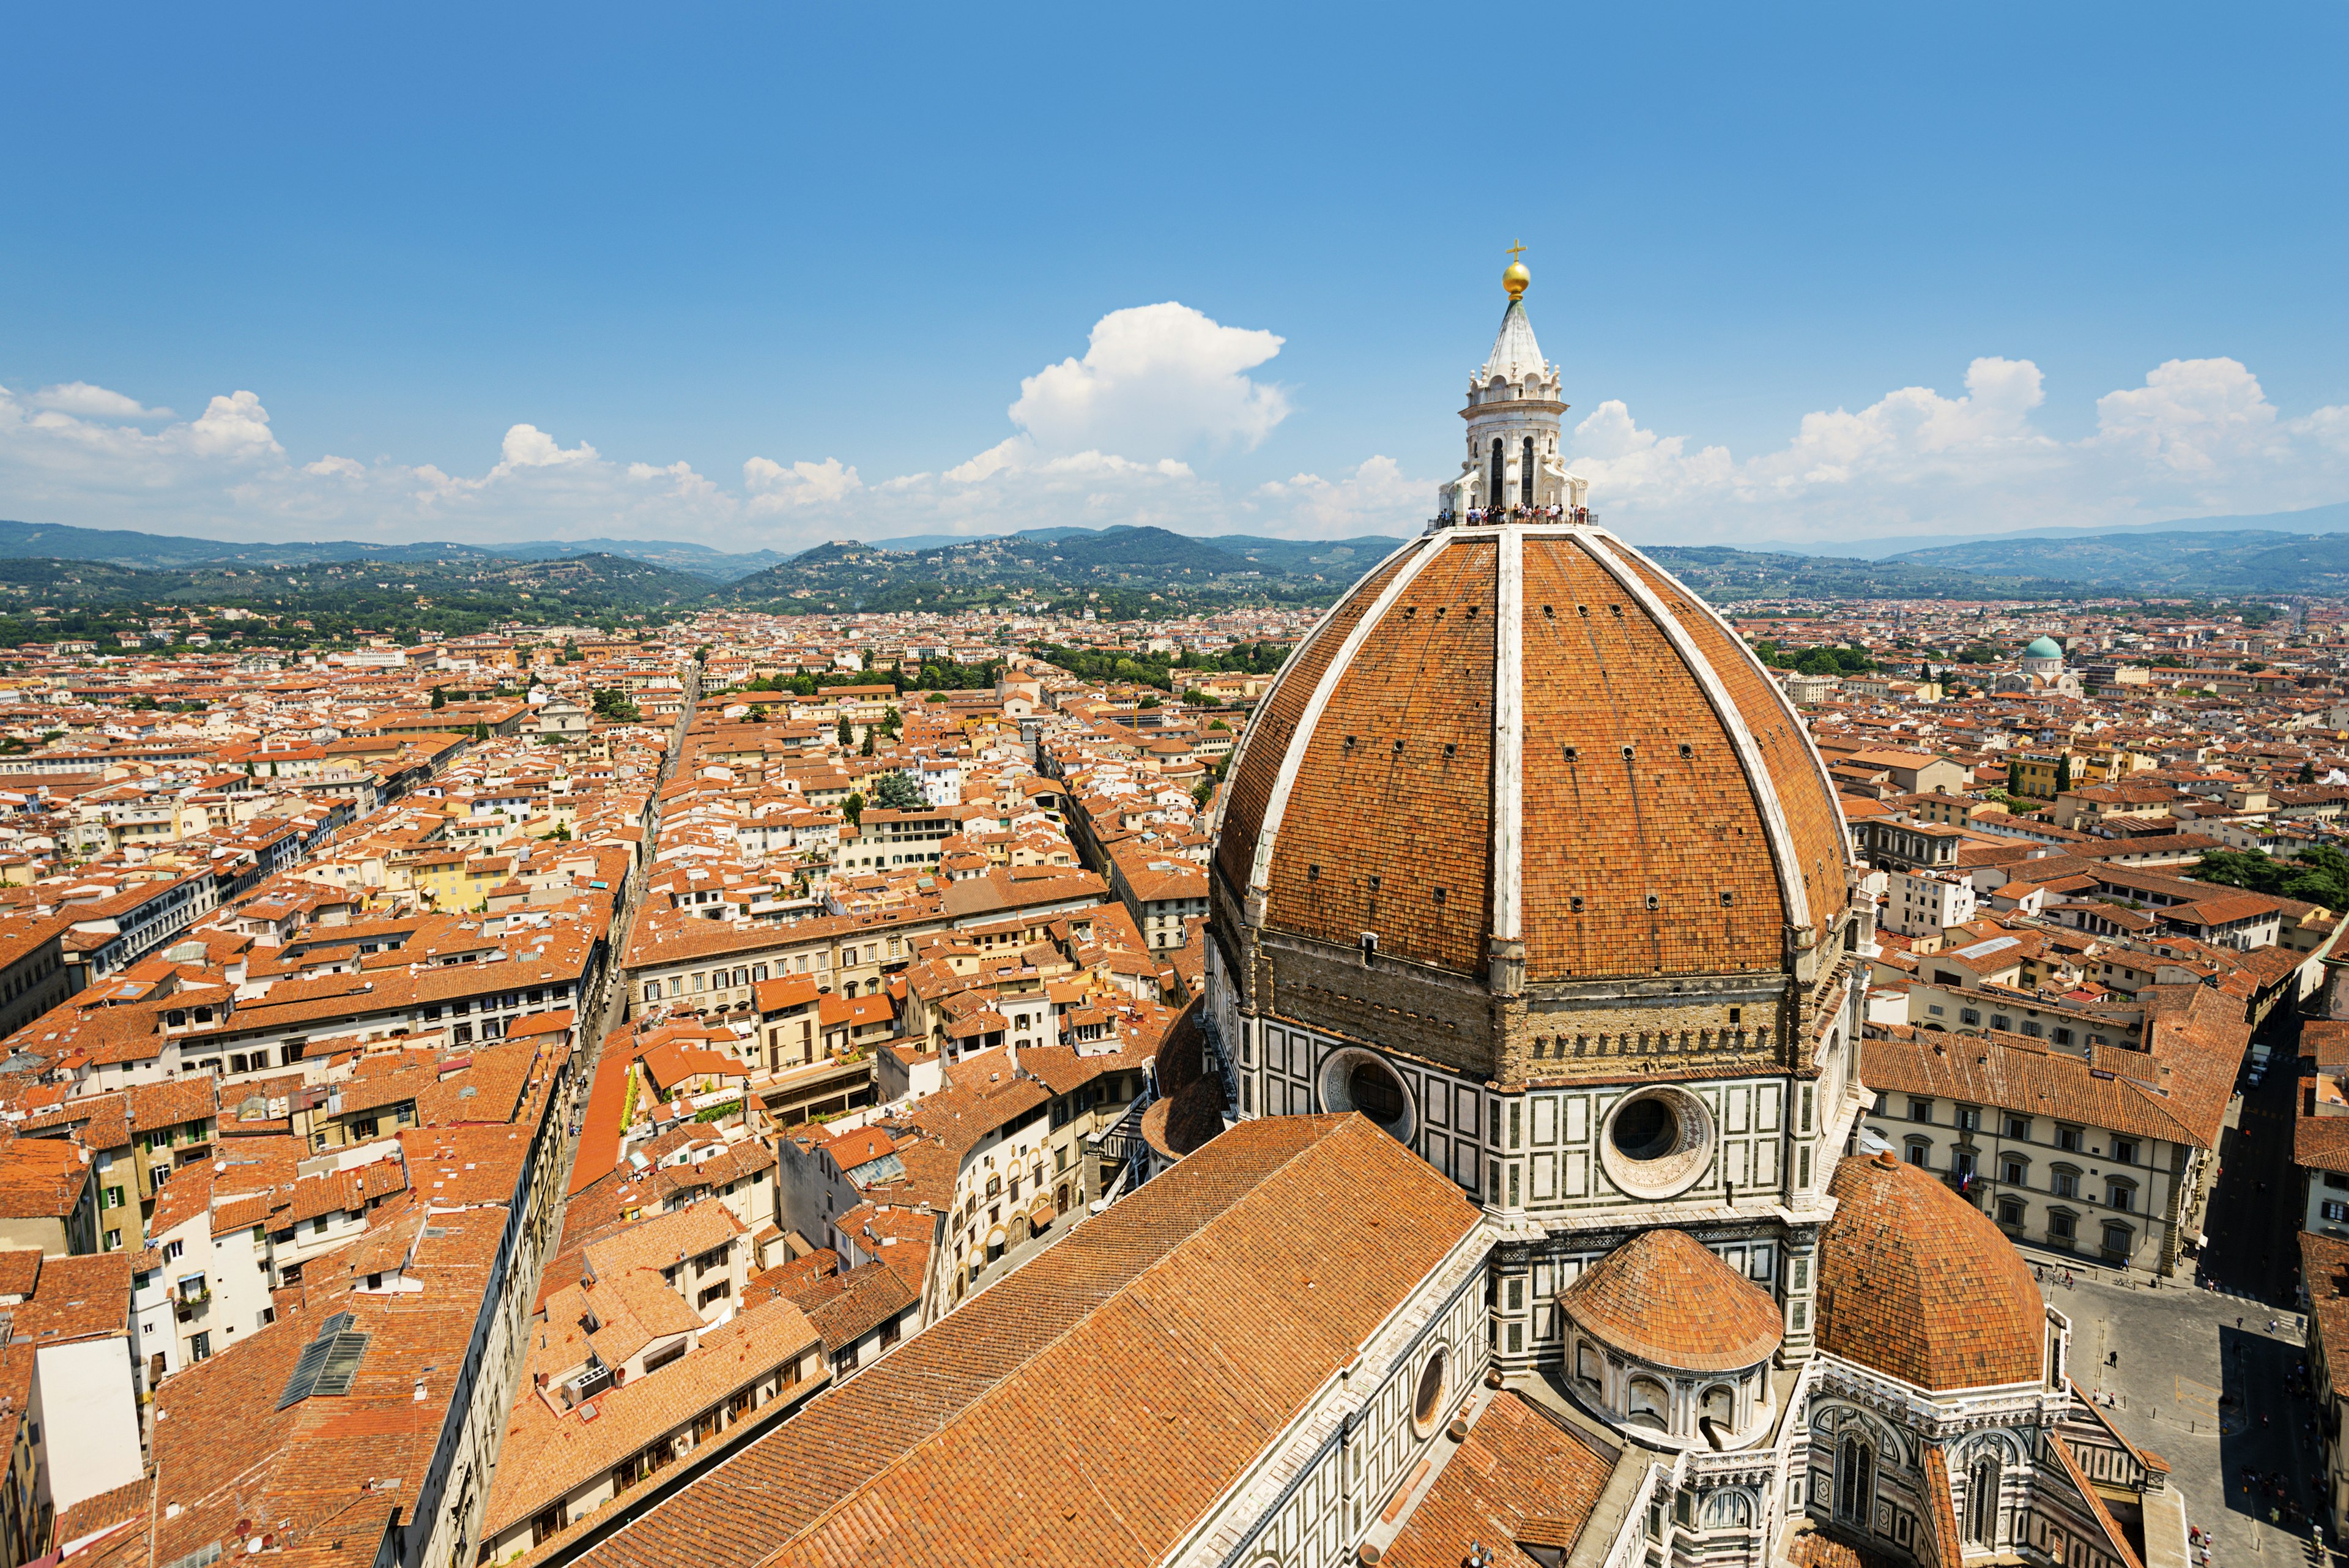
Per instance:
x=1917, y=1283
x=1533, y=733
x=1664, y=1298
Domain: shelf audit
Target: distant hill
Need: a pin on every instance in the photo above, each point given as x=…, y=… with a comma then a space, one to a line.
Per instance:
x=1725, y=576
x=2246, y=561
x=129, y=547
x=1122, y=570
x=2332, y=519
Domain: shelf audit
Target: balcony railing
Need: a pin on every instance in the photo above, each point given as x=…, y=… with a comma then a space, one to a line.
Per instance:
x=1555, y=517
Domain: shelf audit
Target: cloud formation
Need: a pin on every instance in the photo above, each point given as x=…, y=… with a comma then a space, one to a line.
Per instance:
x=1156, y=381
x=1144, y=428
x=2198, y=438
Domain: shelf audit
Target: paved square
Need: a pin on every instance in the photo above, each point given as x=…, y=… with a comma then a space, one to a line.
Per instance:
x=2210, y=1397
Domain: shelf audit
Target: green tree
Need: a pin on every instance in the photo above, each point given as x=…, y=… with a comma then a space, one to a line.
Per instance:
x=440, y=699
x=1201, y=793
x=853, y=808
x=2318, y=875
x=2015, y=776
x=866, y=749
x=758, y=712
x=847, y=734
x=898, y=792
x=2307, y=773
x=1147, y=703
x=2062, y=772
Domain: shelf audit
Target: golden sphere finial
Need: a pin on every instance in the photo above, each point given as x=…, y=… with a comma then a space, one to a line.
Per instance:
x=1517, y=277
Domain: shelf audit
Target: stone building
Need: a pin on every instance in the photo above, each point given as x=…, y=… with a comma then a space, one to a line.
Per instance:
x=1535, y=985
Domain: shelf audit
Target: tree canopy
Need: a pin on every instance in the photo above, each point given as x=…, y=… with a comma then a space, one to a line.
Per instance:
x=2317, y=875
x=898, y=792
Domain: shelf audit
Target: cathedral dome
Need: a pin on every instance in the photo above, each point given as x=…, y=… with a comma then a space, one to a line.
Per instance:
x=2042, y=648
x=1663, y=1298
x=1915, y=1282
x=1527, y=738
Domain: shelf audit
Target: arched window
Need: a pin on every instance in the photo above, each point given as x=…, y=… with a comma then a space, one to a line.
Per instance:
x=1721, y=1406
x=1493, y=491
x=1728, y=1510
x=1650, y=1405
x=1855, y=1481
x=1585, y=1365
x=1525, y=479
x=1982, y=1502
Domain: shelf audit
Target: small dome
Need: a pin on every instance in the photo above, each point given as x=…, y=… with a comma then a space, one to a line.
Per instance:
x=2042, y=648
x=1664, y=1298
x=1915, y=1282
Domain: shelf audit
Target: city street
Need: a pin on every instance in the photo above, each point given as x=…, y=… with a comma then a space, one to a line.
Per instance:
x=2212, y=1399
x=2253, y=1216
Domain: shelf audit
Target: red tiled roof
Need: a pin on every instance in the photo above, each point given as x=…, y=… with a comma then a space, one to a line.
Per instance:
x=1665, y=1298
x=1915, y=1282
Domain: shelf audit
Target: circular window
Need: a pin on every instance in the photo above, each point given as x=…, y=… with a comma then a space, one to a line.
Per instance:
x=1375, y=1092
x=1646, y=1129
x=1427, y=1403
x=1361, y=1081
x=1658, y=1142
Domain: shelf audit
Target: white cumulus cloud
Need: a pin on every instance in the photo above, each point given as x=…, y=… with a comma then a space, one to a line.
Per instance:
x=84, y=400
x=1141, y=428
x=1157, y=380
x=2200, y=437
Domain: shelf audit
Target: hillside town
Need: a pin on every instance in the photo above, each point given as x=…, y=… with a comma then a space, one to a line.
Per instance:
x=457, y=1095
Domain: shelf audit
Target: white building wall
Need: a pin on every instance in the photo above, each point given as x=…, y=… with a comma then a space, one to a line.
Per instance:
x=87, y=1409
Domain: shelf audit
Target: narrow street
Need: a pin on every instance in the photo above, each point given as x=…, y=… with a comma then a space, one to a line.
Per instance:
x=595, y=1021
x=2253, y=1219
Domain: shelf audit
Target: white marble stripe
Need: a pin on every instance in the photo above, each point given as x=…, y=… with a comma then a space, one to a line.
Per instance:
x=1509, y=739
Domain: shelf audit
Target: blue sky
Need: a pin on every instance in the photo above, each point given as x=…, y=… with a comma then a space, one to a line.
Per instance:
x=529, y=271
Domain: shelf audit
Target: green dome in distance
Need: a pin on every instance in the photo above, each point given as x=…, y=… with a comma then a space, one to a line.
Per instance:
x=2042, y=648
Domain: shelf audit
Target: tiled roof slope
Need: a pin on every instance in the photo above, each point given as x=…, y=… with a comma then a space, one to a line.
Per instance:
x=1142, y=1364
x=1519, y=1477
x=1396, y=782
x=1664, y=1298
x=1915, y=1282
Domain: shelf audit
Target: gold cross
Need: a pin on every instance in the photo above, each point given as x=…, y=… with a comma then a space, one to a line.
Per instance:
x=1517, y=250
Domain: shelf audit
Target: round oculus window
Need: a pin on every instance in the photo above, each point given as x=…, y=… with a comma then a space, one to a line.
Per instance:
x=1646, y=1129
x=1658, y=1142
x=1375, y=1092
x=1359, y=1080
